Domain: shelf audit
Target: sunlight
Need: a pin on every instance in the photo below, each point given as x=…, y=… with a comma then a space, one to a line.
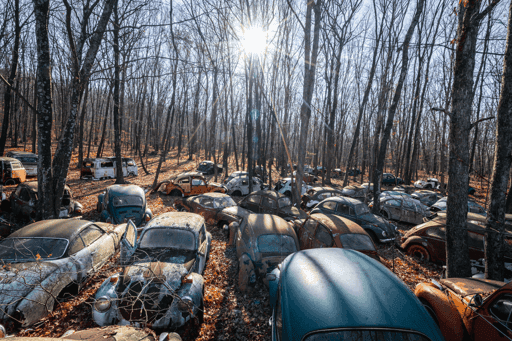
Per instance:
x=254, y=40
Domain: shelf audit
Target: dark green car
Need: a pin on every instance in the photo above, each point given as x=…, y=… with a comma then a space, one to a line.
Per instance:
x=120, y=203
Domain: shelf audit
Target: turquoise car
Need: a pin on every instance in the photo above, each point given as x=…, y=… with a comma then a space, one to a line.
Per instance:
x=341, y=294
x=120, y=203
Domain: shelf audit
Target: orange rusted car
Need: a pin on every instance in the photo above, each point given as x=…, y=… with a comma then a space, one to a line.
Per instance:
x=191, y=183
x=469, y=308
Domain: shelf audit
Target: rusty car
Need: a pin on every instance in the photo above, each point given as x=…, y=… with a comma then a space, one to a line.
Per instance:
x=272, y=202
x=355, y=192
x=161, y=284
x=208, y=168
x=12, y=171
x=106, y=168
x=377, y=227
x=328, y=230
x=27, y=159
x=426, y=197
x=24, y=201
x=400, y=207
x=240, y=185
x=469, y=308
x=190, y=183
x=120, y=203
x=339, y=294
x=427, y=241
x=45, y=260
x=262, y=242
x=316, y=194
x=216, y=208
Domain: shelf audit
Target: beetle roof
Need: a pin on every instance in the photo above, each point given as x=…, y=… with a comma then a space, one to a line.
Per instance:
x=212, y=195
x=341, y=288
x=33, y=185
x=10, y=159
x=126, y=189
x=471, y=286
x=441, y=221
x=344, y=200
x=184, y=220
x=186, y=175
x=354, y=187
x=54, y=228
x=269, y=224
x=318, y=189
x=337, y=224
x=425, y=192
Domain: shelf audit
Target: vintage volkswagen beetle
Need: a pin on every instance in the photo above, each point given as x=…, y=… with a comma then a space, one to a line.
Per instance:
x=11, y=171
x=356, y=192
x=262, y=242
x=316, y=194
x=469, y=308
x=402, y=208
x=377, y=227
x=389, y=179
x=24, y=201
x=191, y=183
x=120, y=203
x=328, y=230
x=340, y=294
x=272, y=202
x=284, y=186
x=427, y=198
x=473, y=207
x=240, y=185
x=237, y=174
x=44, y=259
x=161, y=283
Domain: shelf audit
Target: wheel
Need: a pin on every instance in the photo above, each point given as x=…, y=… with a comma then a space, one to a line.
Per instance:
x=288, y=194
x=10, y=182
x=419, y=252
x=176, y=193
x=373, y=236
x=237, y=193
x=430, y=310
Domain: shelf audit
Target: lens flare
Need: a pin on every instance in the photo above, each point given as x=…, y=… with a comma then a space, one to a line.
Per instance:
x=254, y=40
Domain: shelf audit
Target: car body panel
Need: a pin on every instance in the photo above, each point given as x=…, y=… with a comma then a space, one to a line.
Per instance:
x=241, y=184
x=403, y=208
x=106, y=168
x=316, y=194
x=284, y=186
x=267, y=201
x=28, y=160
x=110, y=204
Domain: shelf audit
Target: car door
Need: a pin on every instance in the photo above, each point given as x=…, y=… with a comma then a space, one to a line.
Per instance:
x=100, y=244
x=197, y=186
x=252, y=203
x=244, y=186
x=323, y=237
x=394, y=207
x=206, y=209
x=128, y=243
x=202, y=250
x=243, y=240
x=494, y=319
x=436, y=242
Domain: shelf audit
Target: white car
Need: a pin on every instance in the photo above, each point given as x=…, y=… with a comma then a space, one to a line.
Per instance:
x=430, y=183
x=237, y=174
x=238, y=186
x=283, y=186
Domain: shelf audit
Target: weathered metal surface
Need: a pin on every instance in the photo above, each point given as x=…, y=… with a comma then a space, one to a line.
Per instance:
x=192, y=183
x=117, y=214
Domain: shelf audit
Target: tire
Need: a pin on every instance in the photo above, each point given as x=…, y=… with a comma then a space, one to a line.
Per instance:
x=176, y=193
x=430, y=310
x=418, y=252
x=373, y=236
x=10, y=182
x=237, y=193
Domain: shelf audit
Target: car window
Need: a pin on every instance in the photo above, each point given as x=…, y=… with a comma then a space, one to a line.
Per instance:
x=30, y=249
x=197, y=182
x=437, y=232
x=131, y=163
x=108, y=164
x=76, y=245
x=276, y=243
x=184, y=181
x=343, y=209
x=268, y=202
x=501, y=309
x=393, y=202
x=254, y=199
x=360, y=209
x=475, y=240
x=323, y=235
x=90, y=234
x=329, y=205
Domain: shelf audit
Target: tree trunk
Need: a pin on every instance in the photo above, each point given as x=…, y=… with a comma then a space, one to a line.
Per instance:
x=117, y=114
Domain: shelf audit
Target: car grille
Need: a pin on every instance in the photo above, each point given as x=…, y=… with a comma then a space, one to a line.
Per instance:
x=142, y=302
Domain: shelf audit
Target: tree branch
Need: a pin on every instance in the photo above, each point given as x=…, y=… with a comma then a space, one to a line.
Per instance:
x=480, y=120
x=296, y=16
x=486, y=11
x=18, y=93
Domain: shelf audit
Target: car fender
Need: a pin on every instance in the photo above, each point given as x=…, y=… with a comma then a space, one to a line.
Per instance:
x=414, y=240
x=107, y=289
x=246, y=273
x=100, y=198
x=194, y=289
x=273, y=285
x=450, y=322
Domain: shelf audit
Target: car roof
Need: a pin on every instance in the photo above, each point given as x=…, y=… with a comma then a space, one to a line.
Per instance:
x=269, y=224
x=53, y=228
x=344, y=200
x=10, y=159
x=183, y=220
x=33, y=186
x=441, y=221
x=187, y=174
x=340, y=288
x=269, y=193
x=212, y=195
x=15, y=152
x=337, y=224
x=126, y=189
x=322, y=189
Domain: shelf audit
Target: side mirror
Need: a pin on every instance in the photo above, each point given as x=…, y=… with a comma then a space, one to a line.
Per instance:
x=477, y=301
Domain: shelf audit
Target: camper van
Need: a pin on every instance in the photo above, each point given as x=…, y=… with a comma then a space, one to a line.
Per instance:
x=11, y=171
x=105, y=168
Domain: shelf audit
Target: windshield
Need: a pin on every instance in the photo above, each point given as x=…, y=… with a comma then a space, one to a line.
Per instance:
x=31, y=249
x=361, y=209
x=27, y=159
x=223, y=202
x=276, y=243
x=285, y=202
x=204, y=166
x=358, y=242
x=172, y=238
x=16, y=165
x=127, y=200
x=366, y=335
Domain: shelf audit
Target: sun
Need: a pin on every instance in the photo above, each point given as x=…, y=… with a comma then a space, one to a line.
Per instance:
x=254, y=40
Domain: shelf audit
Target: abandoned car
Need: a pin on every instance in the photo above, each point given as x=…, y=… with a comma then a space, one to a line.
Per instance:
x=427, y=198
x=161, y=284
x=355, y=192
x=473, y=207
x=473, y=218
x=27, y=159
x=120, y=203
x=402, y=208
x=307, y=177
x=427, y=241
x=339, y=294
x=208, y=168
x=377, y=227
x=262, y=242
x=24, y=201
x=191, y=183
x=216, y=208
x=430, y=183
x=328, y=230
x=469, y=308
x=284, y=186
x=409, y=189
x=272, y=202
x=240, y=185
x=43, y=260
x=354, y=172
x=12, y=171
x=106, y=168
x=316, y=194
x=389, y=179
x=237, y=174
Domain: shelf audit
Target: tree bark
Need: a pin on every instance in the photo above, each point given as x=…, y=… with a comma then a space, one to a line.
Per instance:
x=117, y=114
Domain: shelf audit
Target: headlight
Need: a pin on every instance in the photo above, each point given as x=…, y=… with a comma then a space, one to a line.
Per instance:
x=185, y=304
x=102, y=304
x=384, y=234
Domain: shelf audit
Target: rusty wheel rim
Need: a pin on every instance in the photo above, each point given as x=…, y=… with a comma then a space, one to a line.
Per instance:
x=418, y=252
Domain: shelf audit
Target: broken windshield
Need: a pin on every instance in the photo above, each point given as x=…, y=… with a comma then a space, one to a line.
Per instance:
x=172, y=238
x=31, y=249
x=127, y=200
x=276, y=243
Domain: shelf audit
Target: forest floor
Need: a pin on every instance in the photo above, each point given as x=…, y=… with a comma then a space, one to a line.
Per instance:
x=228, y=313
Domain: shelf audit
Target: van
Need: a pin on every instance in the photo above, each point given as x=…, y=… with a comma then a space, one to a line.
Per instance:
x=12, y=171
x=105, y=168
x=28, y=160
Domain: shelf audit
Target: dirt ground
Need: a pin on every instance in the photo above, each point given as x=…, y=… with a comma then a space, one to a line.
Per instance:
x=228, y=314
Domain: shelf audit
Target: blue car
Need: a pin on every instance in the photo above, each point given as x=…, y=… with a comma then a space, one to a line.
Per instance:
x=389, y=179
x=340, y=294
x=120, y=203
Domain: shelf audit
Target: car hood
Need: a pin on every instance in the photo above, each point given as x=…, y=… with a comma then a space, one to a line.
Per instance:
x=370, y=219
x=292, y=211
